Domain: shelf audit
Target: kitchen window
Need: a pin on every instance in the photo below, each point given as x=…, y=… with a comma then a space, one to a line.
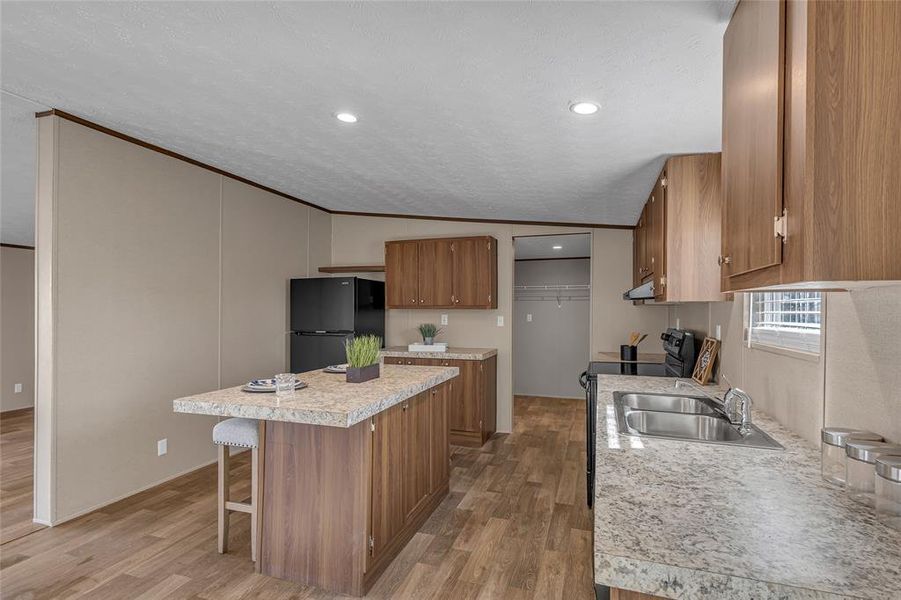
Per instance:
x=787, y=320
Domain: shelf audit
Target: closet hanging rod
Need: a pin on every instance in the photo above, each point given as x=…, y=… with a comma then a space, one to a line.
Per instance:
x=552, y=287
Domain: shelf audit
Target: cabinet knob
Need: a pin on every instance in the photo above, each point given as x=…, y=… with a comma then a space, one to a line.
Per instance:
x=723, y=260
x=421, y=300
x=456, y=301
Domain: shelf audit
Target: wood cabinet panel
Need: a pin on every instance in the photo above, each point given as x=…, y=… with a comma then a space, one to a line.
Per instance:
x=388, y=473
x=472, y=273
x=439, y=454
x=402, y=274
x=840, y=184
x=441, y=273
x=436, y=281
x=656, y=236
x=417, y=446
x=753, y=65
x=693, y=224
x=488, y=375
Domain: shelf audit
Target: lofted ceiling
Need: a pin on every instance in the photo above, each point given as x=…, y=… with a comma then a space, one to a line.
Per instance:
x=463, y=107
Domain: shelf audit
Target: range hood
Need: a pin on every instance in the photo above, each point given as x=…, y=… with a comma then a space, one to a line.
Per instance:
x=643, y=292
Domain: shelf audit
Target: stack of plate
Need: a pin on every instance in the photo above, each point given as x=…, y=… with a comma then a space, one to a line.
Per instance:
x=268, y=385
x=342, y=368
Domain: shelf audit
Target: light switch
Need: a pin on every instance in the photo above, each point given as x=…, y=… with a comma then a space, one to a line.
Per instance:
x=444, y=319
x=500, y=320
x=529, y=317
x=17, y=389
x=162, y=446
x=719, y=333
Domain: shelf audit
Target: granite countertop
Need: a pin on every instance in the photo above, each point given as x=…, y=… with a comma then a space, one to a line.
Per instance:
x=453, y=353
x=690, y=520
x=648, y=358
x=327, y=400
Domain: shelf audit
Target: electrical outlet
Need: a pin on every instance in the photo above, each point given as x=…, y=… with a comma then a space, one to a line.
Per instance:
x=500, y=320
x=444, y=319
x=162, y=446
x=719, y=333
x=529, y=317
x=17, y=389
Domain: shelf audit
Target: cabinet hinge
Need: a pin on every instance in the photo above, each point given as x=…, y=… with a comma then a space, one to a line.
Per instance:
x=372, y=424
x=663, y=282
x=452, y=247
x=489, y=245
x=780, y=226
x=489, y=298
x=663, y=182
x=371, y=545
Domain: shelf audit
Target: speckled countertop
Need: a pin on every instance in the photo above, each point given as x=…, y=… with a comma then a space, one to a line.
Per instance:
x=696, y=521
x=453, y=353
x=327, y=400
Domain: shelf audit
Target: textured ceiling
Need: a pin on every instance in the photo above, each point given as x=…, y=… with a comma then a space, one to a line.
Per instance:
x=462, y=106
x=542, y=246
x=17, y=169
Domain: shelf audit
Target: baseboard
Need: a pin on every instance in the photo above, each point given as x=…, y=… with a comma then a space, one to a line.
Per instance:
x=105, y=503
x=42, y=522
x=519, y=395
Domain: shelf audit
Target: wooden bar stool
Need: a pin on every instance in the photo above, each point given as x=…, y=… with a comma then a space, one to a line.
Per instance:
x=241, y=433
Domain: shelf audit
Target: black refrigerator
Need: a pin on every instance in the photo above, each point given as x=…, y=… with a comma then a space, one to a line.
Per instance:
x=326, y=311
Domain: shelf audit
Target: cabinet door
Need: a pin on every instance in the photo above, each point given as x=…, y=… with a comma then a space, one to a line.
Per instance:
x=657, y=235
x=475, y=268
x=402, y=274
x=388, y=515
x=753, y=65
x=439, y=454
x=417, y=427
x=466, y=406
x=436, y=272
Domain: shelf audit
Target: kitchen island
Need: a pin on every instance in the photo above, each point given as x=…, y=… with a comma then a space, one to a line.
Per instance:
x=350, y=471
x=680, y=519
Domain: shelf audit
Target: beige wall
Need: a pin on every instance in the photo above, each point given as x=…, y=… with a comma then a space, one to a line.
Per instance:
x=360, y=240
x=855, y=382
x=163, y=279
x=16, y=327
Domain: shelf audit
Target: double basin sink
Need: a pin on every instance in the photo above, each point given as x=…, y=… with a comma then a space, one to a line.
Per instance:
x=688, y=418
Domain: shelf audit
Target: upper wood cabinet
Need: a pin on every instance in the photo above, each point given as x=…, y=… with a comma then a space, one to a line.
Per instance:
x=810, y=145
x=441, y=273
x=677, y=238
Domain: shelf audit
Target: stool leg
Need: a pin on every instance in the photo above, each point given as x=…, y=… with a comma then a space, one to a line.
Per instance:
x=254, y=482
x=223, y=498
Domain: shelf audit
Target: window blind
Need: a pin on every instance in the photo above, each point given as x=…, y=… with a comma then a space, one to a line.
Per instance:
x=789, y=320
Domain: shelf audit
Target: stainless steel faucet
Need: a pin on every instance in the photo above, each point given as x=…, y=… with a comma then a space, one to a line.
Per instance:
x=682, y=382
x=737, y=406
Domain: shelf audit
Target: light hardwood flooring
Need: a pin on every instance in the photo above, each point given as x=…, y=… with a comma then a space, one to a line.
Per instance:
x=514, y=526
x=16, y=474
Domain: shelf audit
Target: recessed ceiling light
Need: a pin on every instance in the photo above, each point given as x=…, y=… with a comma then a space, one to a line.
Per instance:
x=557, y=247
x=584, y=108
x=346, y=117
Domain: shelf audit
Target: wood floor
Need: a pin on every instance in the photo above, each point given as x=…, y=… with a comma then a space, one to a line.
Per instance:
x=16, y=474
x=514, y=526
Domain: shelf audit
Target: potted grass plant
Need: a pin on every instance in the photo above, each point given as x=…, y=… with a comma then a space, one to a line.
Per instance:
x=428, y=331
x=362, y=358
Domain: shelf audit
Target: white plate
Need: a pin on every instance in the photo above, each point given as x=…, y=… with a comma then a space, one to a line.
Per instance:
x=268, y=385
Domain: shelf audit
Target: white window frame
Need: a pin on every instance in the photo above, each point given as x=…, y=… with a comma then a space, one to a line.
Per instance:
x=791, y=340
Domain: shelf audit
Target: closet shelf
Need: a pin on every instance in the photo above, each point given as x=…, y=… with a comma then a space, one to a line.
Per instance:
x=551, y=287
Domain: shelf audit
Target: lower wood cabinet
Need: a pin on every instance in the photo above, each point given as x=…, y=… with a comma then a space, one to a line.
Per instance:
x=410, y=471
x=340, y=503
x=472, y=401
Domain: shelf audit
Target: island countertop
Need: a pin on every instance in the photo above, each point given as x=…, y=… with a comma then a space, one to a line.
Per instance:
x=327, y=400
x=452, y=353
x=690, y=520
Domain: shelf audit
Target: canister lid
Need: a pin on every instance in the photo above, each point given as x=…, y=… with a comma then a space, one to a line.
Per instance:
x=837, y=436
x=889, y=467
x=867, y=451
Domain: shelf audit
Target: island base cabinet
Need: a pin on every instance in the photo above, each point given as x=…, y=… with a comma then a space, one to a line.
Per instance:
x=340, y=503
x=472, y=398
